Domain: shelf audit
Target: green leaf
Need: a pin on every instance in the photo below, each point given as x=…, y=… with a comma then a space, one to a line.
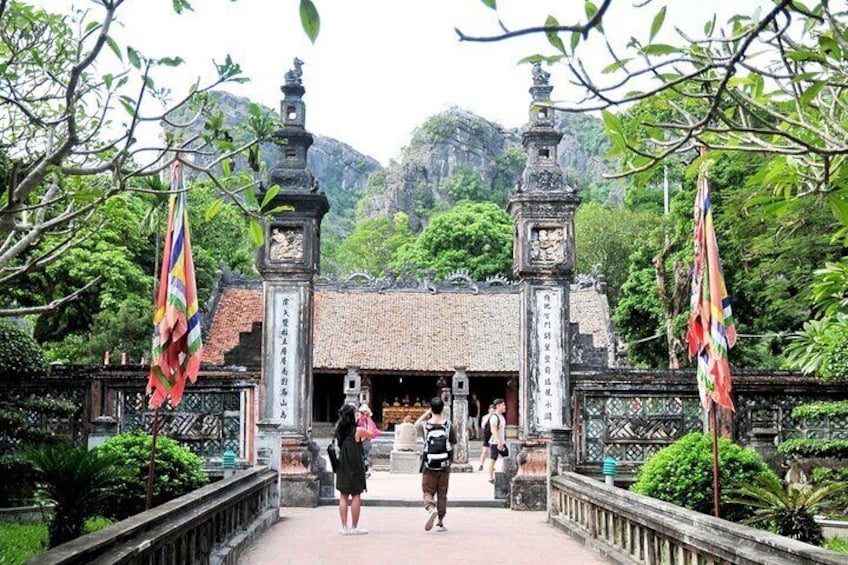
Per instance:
x=656, y=25
x=107, y=80
x=839, y=207
x=281, y=208
x=213, y=209
x=128, y=104
x=811, y=92
x=615, y=130
x=251, y=197
x=309, y=19
x=171, y=61
x=226, y=167
x=575, y=40
x=491, y=4
x=113, y=45
x=615, y=66
x=256, y=232
x=659, y=49
x=553, y=37
x=269, y=195
x=180, y=5
x=591, y=9
x=91, y=25
x=133, y=57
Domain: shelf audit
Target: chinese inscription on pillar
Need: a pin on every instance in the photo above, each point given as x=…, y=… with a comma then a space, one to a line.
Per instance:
x=285, y=362
x=547, y=335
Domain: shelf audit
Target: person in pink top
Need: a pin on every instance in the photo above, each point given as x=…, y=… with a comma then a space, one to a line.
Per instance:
x=364, y=420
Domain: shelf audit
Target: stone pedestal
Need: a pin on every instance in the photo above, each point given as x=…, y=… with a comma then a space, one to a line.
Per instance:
x=405, y=456
x=529, y=489
x=299, y=472
x=102, y=428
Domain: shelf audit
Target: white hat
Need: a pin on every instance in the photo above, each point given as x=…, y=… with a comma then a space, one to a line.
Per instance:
x=364, y=408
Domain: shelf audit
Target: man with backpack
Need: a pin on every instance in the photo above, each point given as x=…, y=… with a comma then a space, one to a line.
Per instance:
x=439, y=439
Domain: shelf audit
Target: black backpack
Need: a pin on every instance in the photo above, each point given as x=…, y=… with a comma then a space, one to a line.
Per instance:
x=437, y=448
x=487, y=431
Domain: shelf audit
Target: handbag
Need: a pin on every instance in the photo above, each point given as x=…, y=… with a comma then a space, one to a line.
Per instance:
x=333, y=454
x=505, y=452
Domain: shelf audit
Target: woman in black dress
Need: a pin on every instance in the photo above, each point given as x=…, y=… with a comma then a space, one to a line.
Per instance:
x=350, y=475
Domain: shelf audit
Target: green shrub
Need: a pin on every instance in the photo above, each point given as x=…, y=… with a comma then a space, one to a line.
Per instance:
x=96, y=523
x=814, y=447
x=820, y=410
x=178, y=471
x=682, y=474
x=787, y=511
x=836, y=507
x=20, y=355
x=837, y=543
x=74, y=479
x=19, y=542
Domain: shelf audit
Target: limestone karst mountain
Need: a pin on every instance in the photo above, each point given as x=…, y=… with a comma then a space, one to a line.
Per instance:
x=454, y=147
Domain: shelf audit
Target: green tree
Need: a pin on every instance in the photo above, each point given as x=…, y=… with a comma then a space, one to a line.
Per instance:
x=607, y=236
x=466, y=184
x=373, y=244
x=60, y=162
x=472, y=236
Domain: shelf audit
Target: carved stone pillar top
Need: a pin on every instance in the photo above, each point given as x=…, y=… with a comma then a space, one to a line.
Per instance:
x=460, y=382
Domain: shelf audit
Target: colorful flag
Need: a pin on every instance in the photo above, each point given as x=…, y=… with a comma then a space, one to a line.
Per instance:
x=711, y=331
x=176, y=335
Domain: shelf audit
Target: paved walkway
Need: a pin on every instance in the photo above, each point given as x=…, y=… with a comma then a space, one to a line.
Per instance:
x=396, y=534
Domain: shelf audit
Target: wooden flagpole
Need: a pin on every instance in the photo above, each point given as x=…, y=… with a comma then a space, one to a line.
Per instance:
x=151, y=467
x=714, y=424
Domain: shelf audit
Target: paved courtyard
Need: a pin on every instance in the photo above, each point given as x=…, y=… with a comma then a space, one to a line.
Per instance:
x=396, y=534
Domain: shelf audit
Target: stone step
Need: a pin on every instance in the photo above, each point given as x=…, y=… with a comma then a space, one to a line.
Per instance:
x=416, y=503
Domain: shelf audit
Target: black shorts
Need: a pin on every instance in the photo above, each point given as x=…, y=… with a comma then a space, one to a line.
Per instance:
x=493, y=452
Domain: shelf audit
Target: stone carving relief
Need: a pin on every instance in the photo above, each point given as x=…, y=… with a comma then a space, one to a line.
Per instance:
x=547, y=245
x=541, y=77
x=545, y=180
x=286, y=244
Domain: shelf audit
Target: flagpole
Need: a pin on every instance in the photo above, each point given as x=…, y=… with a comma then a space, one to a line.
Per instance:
x=714, y=423
x=152, y=464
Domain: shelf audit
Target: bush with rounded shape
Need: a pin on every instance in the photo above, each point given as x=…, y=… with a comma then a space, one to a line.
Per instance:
x=20, y=356
x=178, y=472
x=682, y=474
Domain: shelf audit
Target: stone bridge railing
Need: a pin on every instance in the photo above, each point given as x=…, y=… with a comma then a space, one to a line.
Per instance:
x=630, y=528
x=210, y=525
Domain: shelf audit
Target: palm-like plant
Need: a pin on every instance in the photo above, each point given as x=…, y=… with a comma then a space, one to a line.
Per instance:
x=72, y=478
x=786, y=511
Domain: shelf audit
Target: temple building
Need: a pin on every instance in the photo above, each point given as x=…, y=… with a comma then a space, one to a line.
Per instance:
x=403, y=336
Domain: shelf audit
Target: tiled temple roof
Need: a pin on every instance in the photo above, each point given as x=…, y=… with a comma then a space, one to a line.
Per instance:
x=404, y=330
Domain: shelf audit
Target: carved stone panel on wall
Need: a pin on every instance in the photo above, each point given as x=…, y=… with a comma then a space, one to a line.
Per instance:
x=286, y=244
x=547, y=245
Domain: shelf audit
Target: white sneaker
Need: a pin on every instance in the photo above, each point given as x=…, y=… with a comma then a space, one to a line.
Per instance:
x=344, y=531
x=358, y=530
x=431, y=519
x=441, y=528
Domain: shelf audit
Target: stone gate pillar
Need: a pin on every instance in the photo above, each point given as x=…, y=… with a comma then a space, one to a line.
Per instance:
x=543, y=212
x=460, y=420
x=288, y=263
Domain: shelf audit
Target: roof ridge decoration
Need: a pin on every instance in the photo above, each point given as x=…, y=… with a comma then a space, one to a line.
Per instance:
x=412, y=279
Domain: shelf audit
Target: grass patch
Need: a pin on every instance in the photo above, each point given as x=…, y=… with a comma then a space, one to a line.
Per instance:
x=19, y=542
x=95, y=523
x=837, y=543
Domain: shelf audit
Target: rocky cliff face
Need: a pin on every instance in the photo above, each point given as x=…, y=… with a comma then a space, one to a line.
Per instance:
x=341, y=170
x=457, y=141
x=450, y=144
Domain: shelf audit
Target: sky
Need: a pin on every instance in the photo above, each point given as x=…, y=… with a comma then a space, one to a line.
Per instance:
x=379, y=68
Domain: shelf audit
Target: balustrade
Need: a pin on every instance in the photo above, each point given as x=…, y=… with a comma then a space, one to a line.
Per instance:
x=631, y=528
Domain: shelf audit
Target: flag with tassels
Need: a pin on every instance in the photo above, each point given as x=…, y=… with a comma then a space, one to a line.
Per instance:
x=711, y=331
x=176, y=334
